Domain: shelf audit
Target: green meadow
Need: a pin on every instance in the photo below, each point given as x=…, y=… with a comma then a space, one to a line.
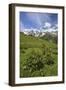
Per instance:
x=38, y=56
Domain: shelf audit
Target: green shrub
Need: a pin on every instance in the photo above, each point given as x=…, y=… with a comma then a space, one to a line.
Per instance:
x=35, y=62
x=22, y=51
x=50, y=62
x=49, y=59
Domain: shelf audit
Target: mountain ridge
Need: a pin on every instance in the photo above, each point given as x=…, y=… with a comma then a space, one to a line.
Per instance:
x=39, y=33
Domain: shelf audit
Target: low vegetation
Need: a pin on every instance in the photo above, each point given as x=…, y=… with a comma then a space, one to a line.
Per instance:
x=38, y=56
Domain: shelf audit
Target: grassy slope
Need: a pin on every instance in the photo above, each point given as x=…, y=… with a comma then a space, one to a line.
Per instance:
x=30, y=43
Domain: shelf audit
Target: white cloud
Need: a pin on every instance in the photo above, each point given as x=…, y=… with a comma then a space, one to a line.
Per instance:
x=47, y=25
x=55, y=27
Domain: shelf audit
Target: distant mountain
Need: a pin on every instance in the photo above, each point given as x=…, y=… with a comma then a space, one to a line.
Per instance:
x=39, y=33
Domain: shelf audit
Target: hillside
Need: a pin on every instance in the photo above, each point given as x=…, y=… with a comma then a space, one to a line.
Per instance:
x=38, y=56
x=31, y=41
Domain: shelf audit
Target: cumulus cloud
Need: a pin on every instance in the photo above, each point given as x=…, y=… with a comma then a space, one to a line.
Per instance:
x=50, y=27
x=47, y=25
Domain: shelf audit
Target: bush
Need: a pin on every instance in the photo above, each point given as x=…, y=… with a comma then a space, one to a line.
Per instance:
x=35, y=64
x=49, y=59
x=22, y=51
x=50, y=62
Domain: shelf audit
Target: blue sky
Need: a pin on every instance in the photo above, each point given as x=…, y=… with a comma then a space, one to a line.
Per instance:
x=34, y=20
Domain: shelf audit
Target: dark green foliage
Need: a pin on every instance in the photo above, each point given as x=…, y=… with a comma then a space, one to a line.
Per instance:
x=35, y=62
x=50, y=62
x=22, y=51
